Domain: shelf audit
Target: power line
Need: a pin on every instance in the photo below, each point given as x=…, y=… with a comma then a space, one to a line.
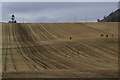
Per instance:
x=75, y=18
x=23, y=19
x=86, y=18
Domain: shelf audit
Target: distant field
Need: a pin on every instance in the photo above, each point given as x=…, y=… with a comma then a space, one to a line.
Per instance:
x=45, y=50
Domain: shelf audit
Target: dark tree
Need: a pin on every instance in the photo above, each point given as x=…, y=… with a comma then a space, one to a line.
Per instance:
x=98, y=20
x=13, y=16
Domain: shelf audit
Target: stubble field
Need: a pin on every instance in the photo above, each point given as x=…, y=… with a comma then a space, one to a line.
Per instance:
x=45, y=50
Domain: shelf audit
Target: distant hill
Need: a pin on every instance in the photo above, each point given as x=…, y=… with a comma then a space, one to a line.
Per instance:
x=112, y=17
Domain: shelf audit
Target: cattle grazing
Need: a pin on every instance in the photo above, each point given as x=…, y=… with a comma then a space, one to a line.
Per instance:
x=106, y=35
x=101, y=34
x=70, y=38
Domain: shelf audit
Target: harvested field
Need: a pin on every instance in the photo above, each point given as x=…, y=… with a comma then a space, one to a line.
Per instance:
x=45, y=50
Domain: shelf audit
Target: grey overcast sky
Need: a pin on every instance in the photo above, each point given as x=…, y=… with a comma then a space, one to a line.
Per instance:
x=57, y=11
